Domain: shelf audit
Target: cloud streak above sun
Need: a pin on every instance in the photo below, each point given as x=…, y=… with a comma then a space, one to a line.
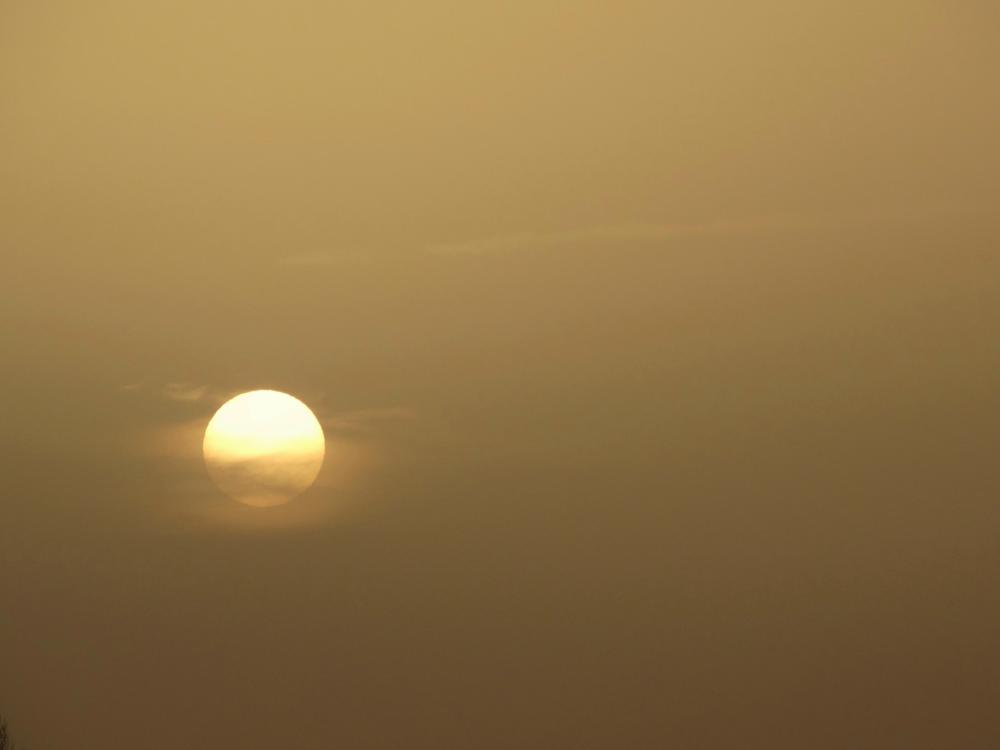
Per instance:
x=550, y=239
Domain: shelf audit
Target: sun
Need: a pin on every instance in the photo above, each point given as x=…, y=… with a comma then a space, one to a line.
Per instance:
x=263, y=448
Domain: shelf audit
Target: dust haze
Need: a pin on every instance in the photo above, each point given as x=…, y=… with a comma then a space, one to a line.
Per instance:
x=655, y=342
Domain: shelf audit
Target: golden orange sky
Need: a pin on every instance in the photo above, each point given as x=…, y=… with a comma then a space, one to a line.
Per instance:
x=654, y=342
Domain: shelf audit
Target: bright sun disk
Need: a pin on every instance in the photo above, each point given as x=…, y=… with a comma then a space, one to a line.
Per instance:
x=263, y=448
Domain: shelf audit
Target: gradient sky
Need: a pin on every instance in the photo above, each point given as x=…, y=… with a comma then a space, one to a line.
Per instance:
x=655, y=343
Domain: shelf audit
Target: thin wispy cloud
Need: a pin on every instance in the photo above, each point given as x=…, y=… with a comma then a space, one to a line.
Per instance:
x=185, y=392
x=179, y=391
x=528, y=241
x=324, y=258
x=366, y=421
x=630, y=232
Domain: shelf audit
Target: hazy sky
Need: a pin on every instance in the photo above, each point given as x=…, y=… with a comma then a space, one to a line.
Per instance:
x=655, y=343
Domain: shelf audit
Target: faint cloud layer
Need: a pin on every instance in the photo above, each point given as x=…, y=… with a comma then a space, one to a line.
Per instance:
x=543, y=240
x=179, y=391
x=366, y=421
x=521, y=241
x=323, y=258
x=185, y=391
x=356, y=422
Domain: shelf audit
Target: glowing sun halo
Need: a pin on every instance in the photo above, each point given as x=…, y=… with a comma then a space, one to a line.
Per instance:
x=263, y=448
